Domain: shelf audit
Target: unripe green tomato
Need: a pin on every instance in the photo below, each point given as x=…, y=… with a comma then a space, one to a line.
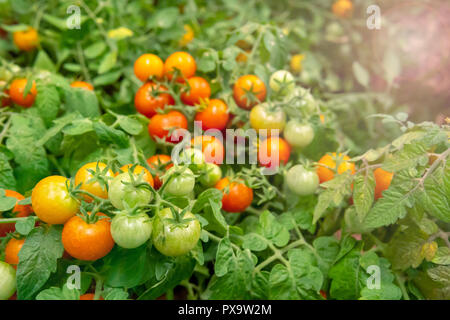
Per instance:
x=298, y=135
x=302, y=181
x=282, y=82
x=7, y=281
x=120, y=193
x=211, y=176
x=193, y=157
x=174, y=240
x=131, y=231
x=262, y=117
x=307, y=101
x=182, y=184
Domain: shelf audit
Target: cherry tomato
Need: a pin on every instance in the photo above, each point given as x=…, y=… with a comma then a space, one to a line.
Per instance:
x=87, y=241
x=89, y=296
x=172, y=239
x=199, y=89
x=212, y=148
x=383, y=180
x=161, y=124
x=328, y=162
x=12, y=251
x=236, y=195
x=182, y=61
x=123, y=193
x=19, y=211
x=272, y=151
x=157, y=162
x=131, y=231
x=282, y=83
x=264, y=117
x=138, y=170
x=148, y=65
x=214, y=116
x=211, y=175
x=342, y=8
x=248, y=91
x=193, y=157
x=297, y=134
x=26, y=40
x=147, y=101
x=7, y=281
x=296, y=62
x=52, y=202
x=182, y=183
x=82, y=85
x=302, y=181
x=86, y=175
x=17, y=89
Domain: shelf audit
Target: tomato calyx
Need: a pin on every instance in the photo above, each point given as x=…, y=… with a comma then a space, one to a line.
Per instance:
x=250, y=95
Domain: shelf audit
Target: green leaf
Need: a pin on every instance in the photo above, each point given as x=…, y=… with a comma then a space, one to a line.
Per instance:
x=108, y=62
x=391, y=65
x=224, y=257
x=273, y=230
x=130, y=125
x=440, y=274
x=253, y=242
x=442, y=256
x=25, y=225
x=409, y=157
x=110, y=135
x=116, y=294
x=7, y=179
x=164, y=18
x=106, y=78
x=207, y=61
x=44, y=62
x=55, y=293
x=363, y=194
x=82, y=101
x=6, y=203
x=328, y=249
x=361, y=74
x=203, y=199
x=95, y=50
x=216, y=221
x=282, y=284
x=37, y=260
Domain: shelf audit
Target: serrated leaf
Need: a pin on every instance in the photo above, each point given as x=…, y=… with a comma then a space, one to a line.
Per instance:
x=363, y=194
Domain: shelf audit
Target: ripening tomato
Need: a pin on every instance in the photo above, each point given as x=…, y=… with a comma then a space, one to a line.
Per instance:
x=147, y=100
x=148, y=65
x=272, y=151
x=17, y=89
x=137, y=169
x=199, y=89
x=383, y=180
x=158, y=162
x=94, y=178
x=342, y=8
x=248, y=91
x=88, y=241
x=89, y=296
x=82, y=85
x=263, y=117
x=52, y=201
x=236, y=195
x=188, y=36
x=328, y=162
x=214, y=116
x=12, y=251
x=163, y=125
x=182, y=61
x=212, y=148
x=26, y=40
x=19, y=211
x=7, y=281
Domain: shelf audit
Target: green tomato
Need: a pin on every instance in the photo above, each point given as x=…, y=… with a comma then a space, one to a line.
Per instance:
x=302, y=181
x=282, y=82
x=7, y=281
x=131, y=231
x=306, y=101
x=211, y=175
x=181, y=184
x=173, y=239
x=193, y=157
x=121, y=192
x=263, y=117
x=297, y=134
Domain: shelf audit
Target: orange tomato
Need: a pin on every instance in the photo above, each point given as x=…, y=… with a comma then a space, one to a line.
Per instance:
x=87, y=172
x=89, y=296
x=268, y=148
x=212, y=148
x=87, y=241
x=342, y=8
x=147, y=176
x=19, y=211
x=148, y=102
x=16, y=91
x=238, y=196
x=246, y=86
x=82, y=85
x=26, y=40
x=182, y=61
x=198, y=89
x=383, y=180
x=161, y=125
x=12, y=251
x=148, y=65
x=214, y=116
x=156, y=162
x=327, y=163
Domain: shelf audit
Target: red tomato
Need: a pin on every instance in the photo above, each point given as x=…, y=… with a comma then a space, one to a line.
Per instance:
x=161, y=124
x=147, y=102
x=198, y=89
x=82, y=85
x=89, y=296
x=19, y=211
x=246, y=86
x=212, y=148
x=238, y=197
x=214, y=116
x=269, y=148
